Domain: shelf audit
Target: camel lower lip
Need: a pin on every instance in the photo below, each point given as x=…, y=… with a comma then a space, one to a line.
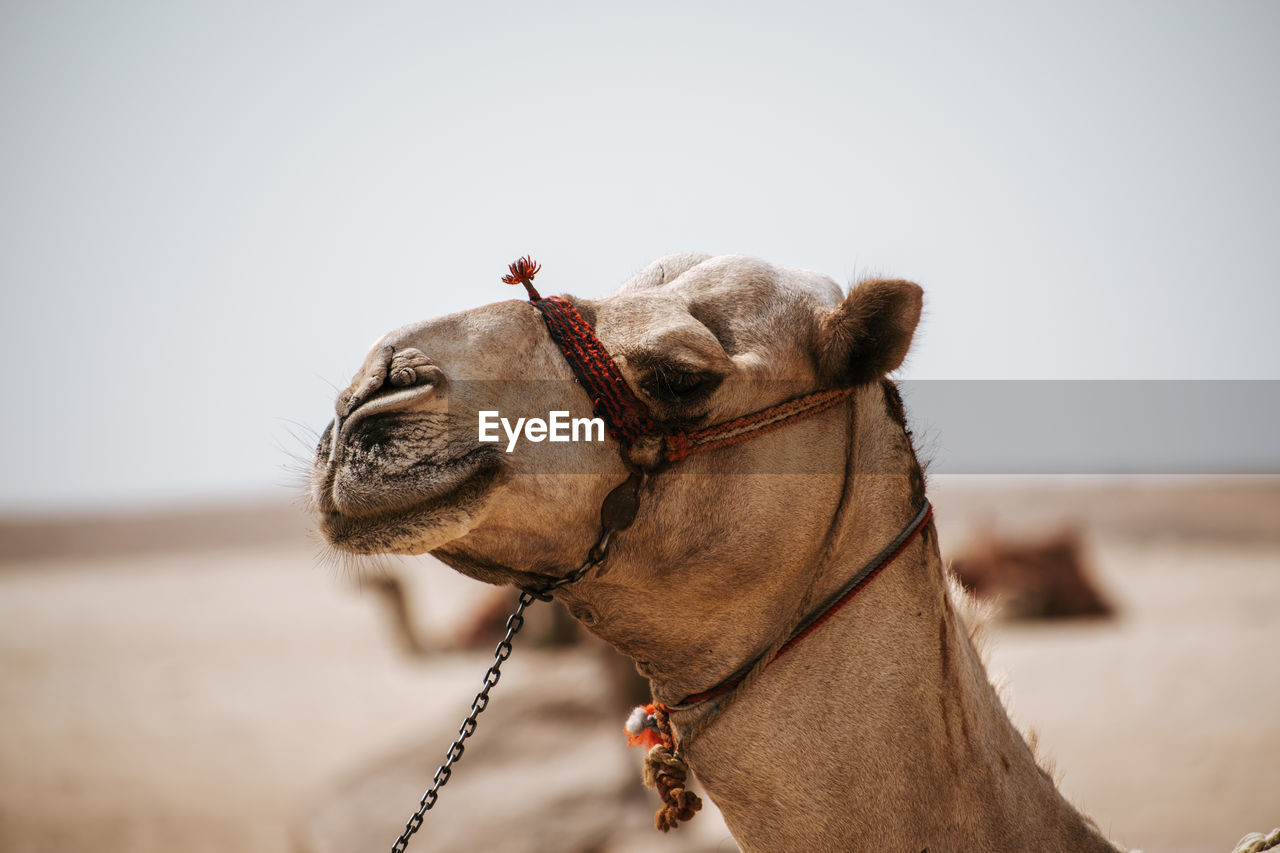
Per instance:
x=392, y=490
x=398, y=530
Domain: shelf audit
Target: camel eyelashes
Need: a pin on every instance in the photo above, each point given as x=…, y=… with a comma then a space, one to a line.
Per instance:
x=680, y=386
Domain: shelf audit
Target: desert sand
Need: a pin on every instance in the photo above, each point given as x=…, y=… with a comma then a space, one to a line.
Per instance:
x=208, y=681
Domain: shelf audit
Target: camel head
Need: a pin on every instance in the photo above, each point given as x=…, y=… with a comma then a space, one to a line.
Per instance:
x=701, y=340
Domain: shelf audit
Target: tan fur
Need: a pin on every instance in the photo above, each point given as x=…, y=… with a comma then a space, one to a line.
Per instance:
x=880, y=732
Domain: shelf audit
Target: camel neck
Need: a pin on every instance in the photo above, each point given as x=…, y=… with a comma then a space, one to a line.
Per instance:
x=882, y=732
x=815, y=618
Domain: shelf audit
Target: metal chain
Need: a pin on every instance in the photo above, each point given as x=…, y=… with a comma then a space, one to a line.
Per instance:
x=616, y=514
x=514, y=623
x=503, y=651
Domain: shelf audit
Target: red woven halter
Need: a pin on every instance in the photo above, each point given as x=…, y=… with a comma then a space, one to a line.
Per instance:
x=625, y=414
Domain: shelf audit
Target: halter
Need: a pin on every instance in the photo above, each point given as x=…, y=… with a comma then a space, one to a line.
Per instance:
x=647, y=446
x=626, y=416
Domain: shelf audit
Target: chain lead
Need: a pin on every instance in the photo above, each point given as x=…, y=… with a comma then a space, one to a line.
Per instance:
x=451, y=757
x=617, y=513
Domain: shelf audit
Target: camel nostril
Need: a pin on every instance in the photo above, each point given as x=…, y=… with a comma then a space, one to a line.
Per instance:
x=409, y=367
x=392, y=381
x=385, y=370
x=370, y=378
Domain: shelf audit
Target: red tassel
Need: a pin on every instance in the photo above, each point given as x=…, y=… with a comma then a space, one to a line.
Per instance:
x=522, y=272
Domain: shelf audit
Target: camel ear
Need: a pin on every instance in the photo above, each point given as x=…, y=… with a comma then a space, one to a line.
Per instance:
x=868, y=335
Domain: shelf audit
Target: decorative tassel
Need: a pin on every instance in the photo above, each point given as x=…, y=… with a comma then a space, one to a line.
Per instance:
x=642, y=728
x=664, y=768
x=522, y=272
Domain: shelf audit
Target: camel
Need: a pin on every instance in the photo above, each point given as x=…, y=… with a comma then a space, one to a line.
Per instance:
x=880, y=731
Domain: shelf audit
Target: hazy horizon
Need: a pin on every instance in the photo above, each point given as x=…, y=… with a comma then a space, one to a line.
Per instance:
x=210, y=211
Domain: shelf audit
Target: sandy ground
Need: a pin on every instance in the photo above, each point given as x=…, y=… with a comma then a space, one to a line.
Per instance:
x=185, y=692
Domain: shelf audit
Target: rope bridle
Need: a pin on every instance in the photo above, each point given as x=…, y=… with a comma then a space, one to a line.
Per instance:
x=646, y=447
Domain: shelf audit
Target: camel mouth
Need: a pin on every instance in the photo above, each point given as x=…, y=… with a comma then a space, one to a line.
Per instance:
x=374, y=490
x=427, y=523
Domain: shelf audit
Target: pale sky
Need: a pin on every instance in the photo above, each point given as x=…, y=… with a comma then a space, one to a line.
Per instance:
x=208, y=211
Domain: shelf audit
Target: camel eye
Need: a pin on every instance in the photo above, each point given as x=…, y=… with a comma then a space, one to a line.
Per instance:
x=681, y=387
